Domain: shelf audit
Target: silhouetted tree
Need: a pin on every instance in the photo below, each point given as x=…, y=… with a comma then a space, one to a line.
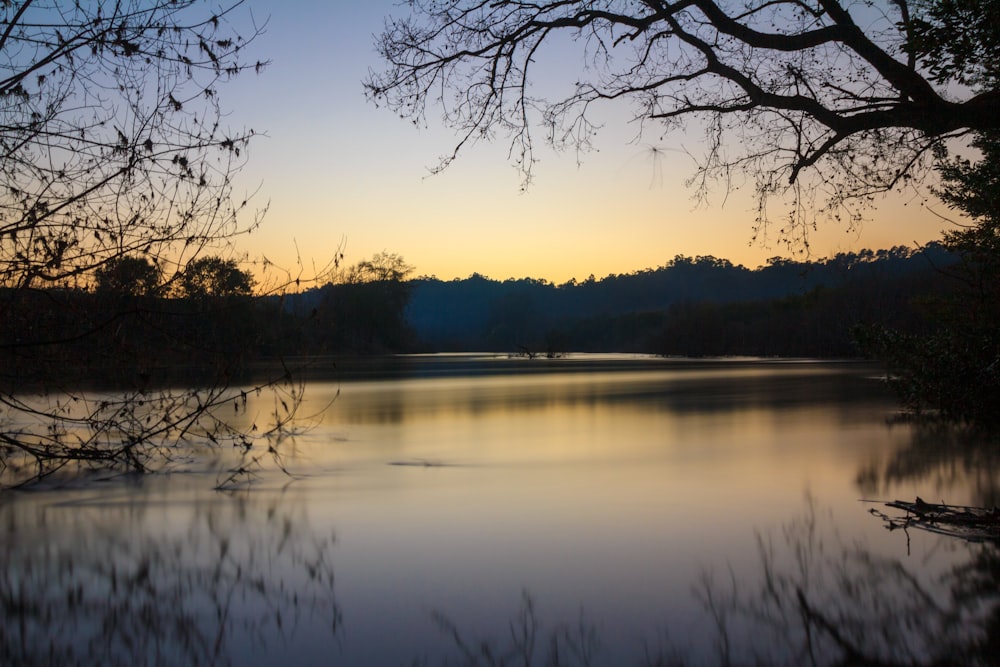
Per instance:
x=113, y=159
x=955, y=368
x=112, y=140
x=825, y=97
x=382, y=267
x=214, y=277
x=957, y=40
x=973, y=188
x=366, y=311
x=127, y=275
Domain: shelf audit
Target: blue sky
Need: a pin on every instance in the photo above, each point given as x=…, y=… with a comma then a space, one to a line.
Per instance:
x=336, y=170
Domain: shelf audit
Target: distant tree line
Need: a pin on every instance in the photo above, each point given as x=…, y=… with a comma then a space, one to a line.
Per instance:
x=134, y=321
x=134, y=326
x=689, y=306
x=362, y=311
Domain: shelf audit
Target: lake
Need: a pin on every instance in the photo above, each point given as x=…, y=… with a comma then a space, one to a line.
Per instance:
x=621, y=508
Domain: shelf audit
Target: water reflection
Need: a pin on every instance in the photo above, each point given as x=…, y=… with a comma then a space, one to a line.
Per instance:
x=681, y=387
x=98, y=580
x=819, y=601
x=609, y=488
x=137, y=578
x=810, y=601
x=950, y=463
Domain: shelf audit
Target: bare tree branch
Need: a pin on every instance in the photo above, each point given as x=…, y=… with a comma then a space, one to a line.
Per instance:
x=831, y=89
x=113, y=151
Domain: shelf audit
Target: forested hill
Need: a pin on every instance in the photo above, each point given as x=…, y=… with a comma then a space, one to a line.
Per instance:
x=701, y=305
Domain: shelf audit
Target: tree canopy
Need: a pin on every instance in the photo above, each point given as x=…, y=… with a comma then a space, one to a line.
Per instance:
x=822, y=103
x=382, y=267
x=215, y=277
x=133, y=276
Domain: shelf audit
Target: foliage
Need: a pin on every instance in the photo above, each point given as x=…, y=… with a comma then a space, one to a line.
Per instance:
x=955, y=368
x=128, y=275
x=974, y=189
x=215, y=277
x=111, y=136
x=116, y=173
x=951, y=371
x=957, y=40
x=828, y=100
x=382, y=267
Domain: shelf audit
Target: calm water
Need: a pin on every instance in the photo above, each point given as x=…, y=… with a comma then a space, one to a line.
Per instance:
x=627, y=498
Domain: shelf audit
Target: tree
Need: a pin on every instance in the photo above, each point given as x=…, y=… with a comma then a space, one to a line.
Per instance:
x=828, y=101
x=133, y=276
x=112, y=142
x=973, y=188
x=113, y=159
x=955, y=368
x=958, y=40
x=215, y=277
x=366, y=312
x=382, y=267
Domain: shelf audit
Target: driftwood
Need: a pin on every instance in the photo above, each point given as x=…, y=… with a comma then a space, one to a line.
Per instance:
x=973, y=524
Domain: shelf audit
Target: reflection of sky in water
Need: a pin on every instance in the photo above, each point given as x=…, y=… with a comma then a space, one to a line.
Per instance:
x=611, y=492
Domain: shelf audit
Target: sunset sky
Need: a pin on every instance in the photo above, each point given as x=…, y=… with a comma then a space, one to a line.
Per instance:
x=337, y=170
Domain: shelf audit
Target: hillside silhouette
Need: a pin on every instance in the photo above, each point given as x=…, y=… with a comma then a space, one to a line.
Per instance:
x=702, y=306
x=689, y=306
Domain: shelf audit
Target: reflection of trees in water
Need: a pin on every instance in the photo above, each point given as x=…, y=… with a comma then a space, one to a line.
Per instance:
x=526, y=643
x=819, y=602
x=688, y=387
x=809, y=600
x=947, y=459
x=978, y=583
x=112, y=584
